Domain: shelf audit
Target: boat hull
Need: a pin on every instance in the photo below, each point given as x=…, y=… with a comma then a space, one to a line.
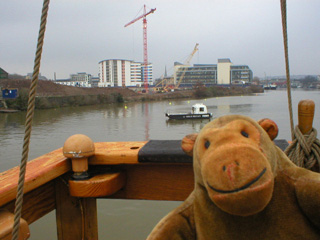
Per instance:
x=189, y=116
x=270, y=87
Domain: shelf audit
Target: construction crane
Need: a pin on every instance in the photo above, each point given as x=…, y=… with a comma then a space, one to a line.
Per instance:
x=145, y=44
x=187, y=63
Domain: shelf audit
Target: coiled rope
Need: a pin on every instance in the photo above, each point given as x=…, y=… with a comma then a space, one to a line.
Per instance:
x=285, y=42
x=304, y=151
x=29, y=119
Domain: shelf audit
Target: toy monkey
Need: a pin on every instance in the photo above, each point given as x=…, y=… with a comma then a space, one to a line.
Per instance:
x=245, y=188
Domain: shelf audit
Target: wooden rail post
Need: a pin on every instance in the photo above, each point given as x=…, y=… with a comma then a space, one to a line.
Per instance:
x=305, y=115
x=76, y=217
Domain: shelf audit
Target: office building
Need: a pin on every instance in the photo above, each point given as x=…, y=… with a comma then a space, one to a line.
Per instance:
x=223, y=73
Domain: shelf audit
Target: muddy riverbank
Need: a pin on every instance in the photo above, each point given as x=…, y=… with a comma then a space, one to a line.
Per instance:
x=51, y=95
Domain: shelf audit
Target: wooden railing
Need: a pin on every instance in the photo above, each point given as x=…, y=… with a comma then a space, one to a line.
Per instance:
x=116, y=172
x=154, y=170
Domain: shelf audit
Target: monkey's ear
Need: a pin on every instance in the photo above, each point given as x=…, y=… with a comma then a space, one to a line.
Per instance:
x=187, y=143
x=270, y=127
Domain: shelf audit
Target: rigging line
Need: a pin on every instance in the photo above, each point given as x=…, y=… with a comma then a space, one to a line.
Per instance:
x=133, y=45
x=138, y=14
x=29, y=119
x=285, y=42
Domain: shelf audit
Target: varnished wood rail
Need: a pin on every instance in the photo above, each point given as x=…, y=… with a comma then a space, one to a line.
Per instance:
x=126, y=170
x=39, y=171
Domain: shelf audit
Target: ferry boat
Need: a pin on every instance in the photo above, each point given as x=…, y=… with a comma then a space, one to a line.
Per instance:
x=198, y=111
x=270, y=87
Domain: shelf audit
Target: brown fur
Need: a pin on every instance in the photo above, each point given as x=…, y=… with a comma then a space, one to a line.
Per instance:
x=245, y=188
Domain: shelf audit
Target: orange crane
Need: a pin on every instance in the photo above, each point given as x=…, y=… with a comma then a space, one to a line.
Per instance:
x=145, y=45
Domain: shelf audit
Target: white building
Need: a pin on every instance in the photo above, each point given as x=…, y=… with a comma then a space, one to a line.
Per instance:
x=135, y=73
x=224, y=71
x=81, y=79
x=122, y=73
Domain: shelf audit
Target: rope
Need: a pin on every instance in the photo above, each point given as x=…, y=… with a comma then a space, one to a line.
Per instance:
x=285, y=42
x=304, y=151
x=29, y=119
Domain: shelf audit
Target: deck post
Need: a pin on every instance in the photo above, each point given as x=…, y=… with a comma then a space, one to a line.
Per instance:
x=76, y=217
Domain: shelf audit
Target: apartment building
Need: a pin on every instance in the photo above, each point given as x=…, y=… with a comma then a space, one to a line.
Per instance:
x=123, y=73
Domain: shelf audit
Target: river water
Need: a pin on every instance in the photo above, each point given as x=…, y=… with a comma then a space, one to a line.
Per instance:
x=128, y=219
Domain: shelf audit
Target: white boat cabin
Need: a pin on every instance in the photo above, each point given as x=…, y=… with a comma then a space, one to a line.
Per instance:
x=199, y=108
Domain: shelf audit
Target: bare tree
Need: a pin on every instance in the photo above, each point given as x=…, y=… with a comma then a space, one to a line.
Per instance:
x=16, y=76
x=309, y=81
x=256, y=80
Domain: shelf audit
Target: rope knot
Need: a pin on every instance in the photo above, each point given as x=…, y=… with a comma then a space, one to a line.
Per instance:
x=304, y=150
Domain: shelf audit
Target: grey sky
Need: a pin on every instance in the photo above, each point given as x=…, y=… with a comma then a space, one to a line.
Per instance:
x=80, y=33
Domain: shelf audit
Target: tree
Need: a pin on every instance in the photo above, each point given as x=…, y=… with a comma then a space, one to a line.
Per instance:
x=308, y=81
x=256, y=80
x=16, y=76
x=200, y=90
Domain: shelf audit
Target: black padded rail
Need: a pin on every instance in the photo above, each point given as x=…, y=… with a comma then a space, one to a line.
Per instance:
x=166, y=151
x=281, y=143
x=169, y=151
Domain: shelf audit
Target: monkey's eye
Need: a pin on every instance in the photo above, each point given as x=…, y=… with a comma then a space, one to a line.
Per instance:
x=245, y=134
x=207, y=144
